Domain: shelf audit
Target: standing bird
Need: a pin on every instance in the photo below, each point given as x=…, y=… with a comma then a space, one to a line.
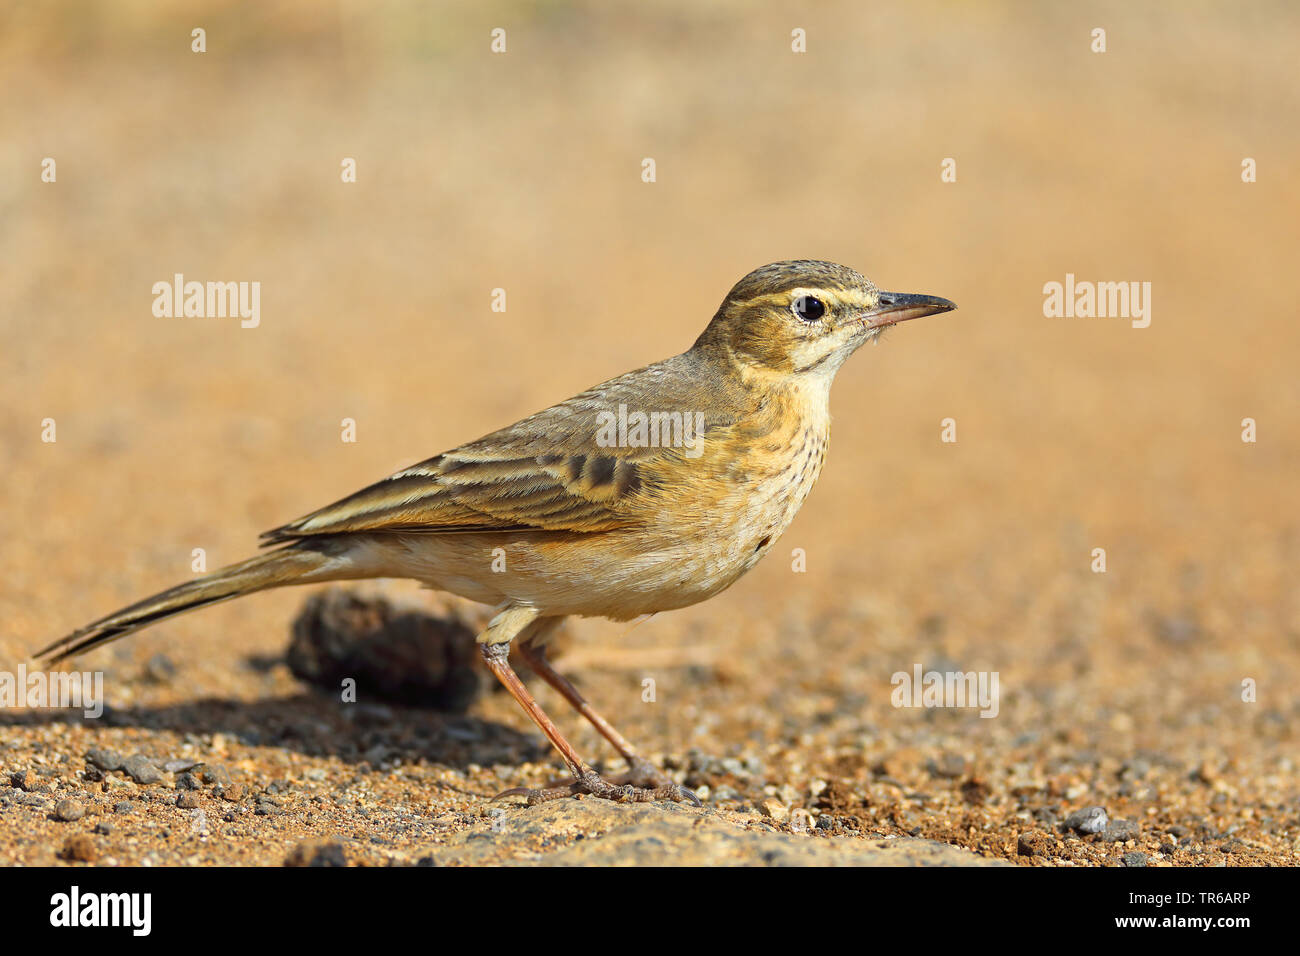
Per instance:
x=652, y=491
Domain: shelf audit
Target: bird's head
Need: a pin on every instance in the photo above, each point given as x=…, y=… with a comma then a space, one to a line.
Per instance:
x=805, y=317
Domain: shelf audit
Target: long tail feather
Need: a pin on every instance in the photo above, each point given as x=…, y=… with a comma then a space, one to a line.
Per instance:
x=296, y=564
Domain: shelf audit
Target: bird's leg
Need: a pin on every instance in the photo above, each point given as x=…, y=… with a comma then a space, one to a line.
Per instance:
x=494, y=644
x=641, y=772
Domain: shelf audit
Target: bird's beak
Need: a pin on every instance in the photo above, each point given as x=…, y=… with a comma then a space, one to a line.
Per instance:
x=895, y=307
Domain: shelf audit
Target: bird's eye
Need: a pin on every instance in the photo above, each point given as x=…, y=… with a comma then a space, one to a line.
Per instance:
x=809, y=308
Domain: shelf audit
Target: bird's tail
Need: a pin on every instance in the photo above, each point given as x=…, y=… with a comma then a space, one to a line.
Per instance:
x=299, y=563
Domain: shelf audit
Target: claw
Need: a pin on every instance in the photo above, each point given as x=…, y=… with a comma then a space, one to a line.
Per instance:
x=592, y=784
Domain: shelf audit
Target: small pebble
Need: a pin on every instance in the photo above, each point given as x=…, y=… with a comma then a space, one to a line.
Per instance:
x=189, y=800
x=25, y=780
x=1135, y=859
x=106, y=760
x=215, y=774
x=1091, y=820
x=141, y=769
x=774, y=809
x=177, y=766
x=69, y=810
x=123, y=806
x=187, y=781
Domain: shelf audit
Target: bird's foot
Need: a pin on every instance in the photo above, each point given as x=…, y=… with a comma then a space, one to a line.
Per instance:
x=593, y=784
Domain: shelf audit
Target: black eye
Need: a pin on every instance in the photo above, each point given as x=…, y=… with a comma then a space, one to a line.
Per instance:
x=809, y=308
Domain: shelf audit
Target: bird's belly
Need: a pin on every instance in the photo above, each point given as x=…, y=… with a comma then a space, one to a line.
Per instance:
x=695, y=547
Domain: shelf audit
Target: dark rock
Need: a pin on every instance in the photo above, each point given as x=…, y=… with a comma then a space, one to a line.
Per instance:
x=1135, y=859
x=106, y=760
x=975, y=791
x=79, y=848
x=141, y=769
x=188, y=781
x=401, y=656
x=25, y=780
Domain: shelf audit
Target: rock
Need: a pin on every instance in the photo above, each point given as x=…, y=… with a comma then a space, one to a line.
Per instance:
x=402, y=656
x=68, y=810
x=317, y=853
x=1118, y=831
x=663, y=834
x=124, y=806
x=104, y=829
x=141, y=769
x=774, y=809
x=233, y=792
x=80, y=848
x=1135, y=859
x=975, y=791
x=189, y=800
x=215, y=774
x=25, y=780
x=1091, y=820
x=106, y=760
x=188, y=781
x=179, y=766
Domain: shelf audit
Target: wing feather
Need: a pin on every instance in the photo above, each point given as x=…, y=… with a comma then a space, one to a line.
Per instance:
x=547, y=472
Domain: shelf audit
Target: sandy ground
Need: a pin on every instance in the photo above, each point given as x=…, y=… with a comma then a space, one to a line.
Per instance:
x=1128, y=689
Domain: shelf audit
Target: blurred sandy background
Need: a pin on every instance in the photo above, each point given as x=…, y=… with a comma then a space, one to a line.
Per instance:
x=522, y=171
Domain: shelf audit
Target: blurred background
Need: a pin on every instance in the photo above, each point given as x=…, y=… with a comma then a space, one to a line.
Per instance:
x=522, y=171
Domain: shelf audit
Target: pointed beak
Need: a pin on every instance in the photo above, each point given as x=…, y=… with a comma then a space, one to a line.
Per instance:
x=895, y=307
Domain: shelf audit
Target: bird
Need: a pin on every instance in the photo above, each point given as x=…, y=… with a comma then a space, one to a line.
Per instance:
x=652, y=491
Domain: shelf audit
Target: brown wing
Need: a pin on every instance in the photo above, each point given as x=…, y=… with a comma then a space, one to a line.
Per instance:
x=548, y=472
